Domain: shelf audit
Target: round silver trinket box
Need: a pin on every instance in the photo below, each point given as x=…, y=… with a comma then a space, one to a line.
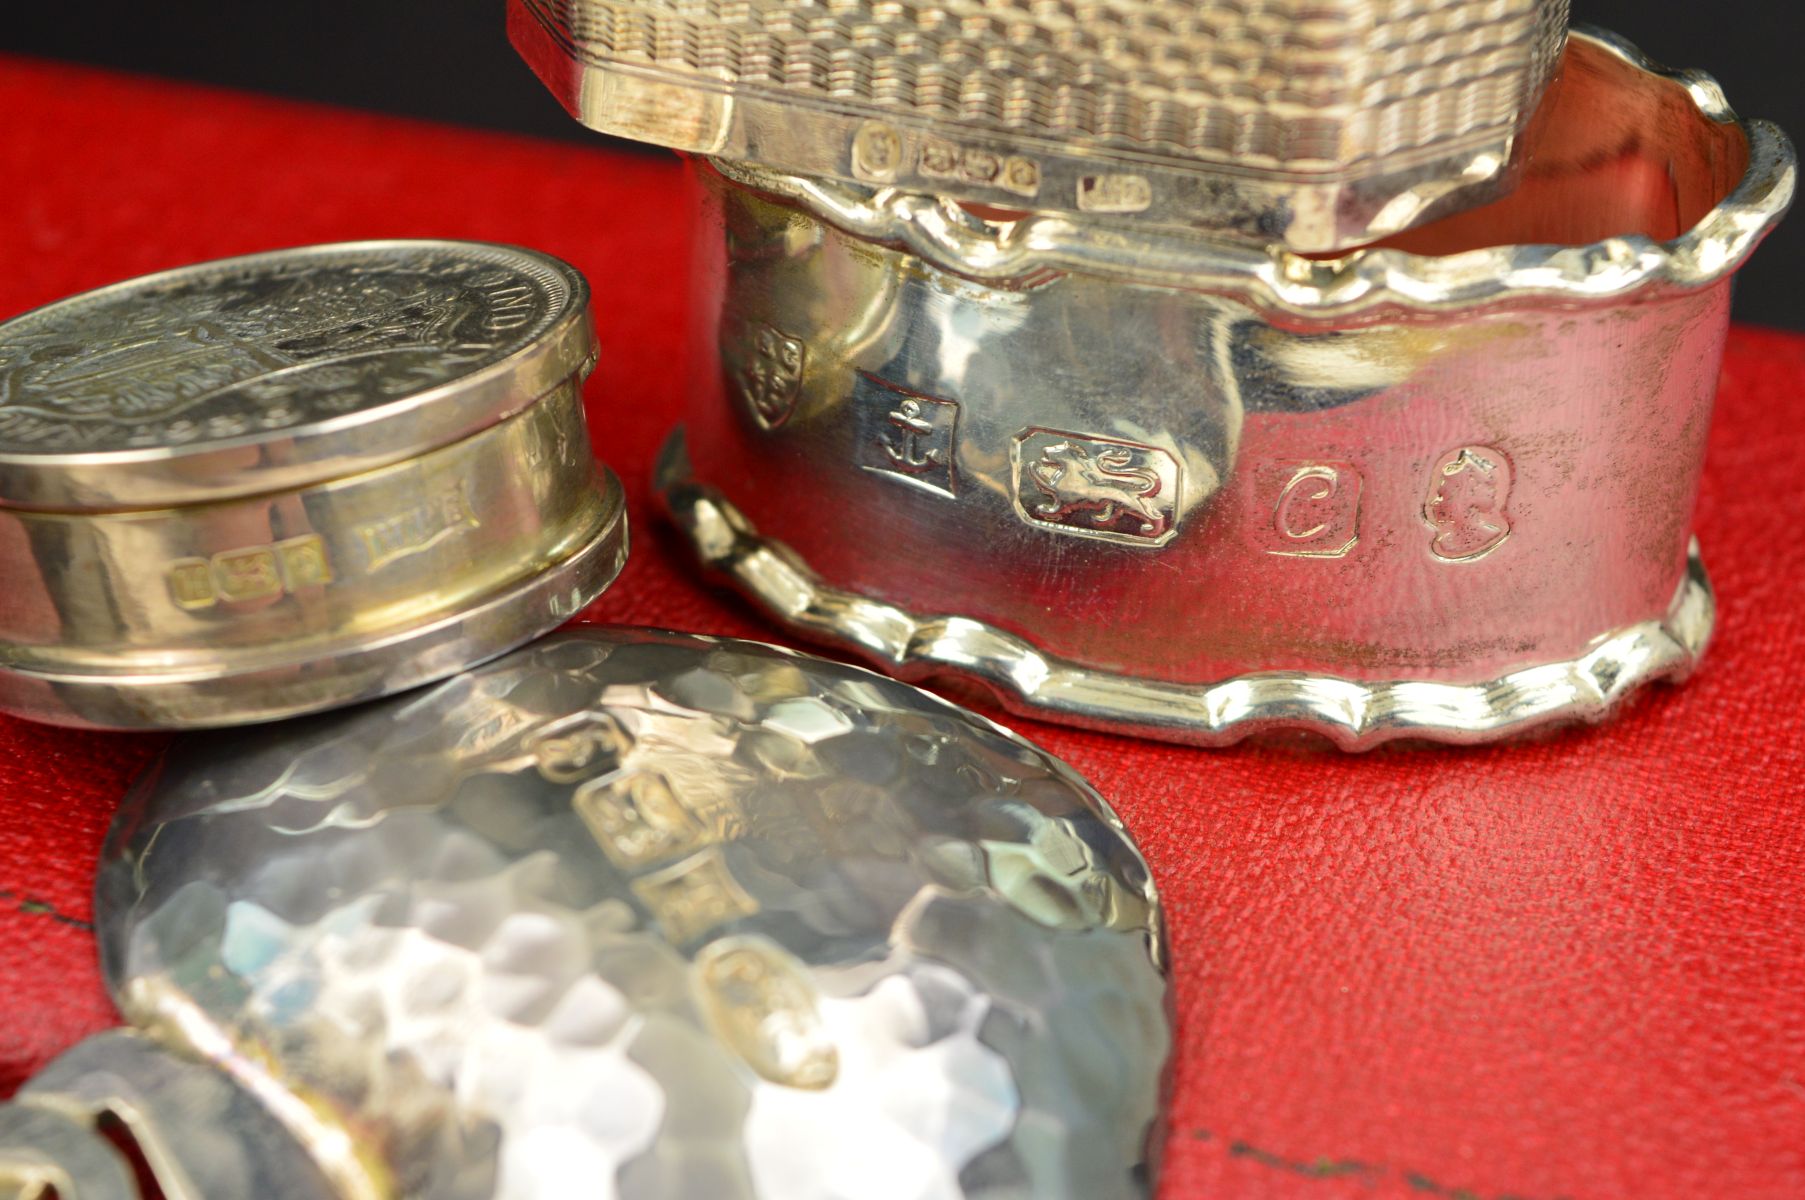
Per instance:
x=627, y=914
x=1437, y=489
x=268, y=485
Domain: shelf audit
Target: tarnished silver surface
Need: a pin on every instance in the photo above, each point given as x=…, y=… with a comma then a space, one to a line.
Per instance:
x=266, y=486
x=1439, y=489
x=1317, y=123
x=650, y=916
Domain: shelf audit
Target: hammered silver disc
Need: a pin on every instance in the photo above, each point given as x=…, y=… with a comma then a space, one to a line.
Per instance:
x=650, y=915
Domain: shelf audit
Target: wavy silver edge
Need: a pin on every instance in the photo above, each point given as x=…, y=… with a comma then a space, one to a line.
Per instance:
x=1351, y=714
x=1274, y=279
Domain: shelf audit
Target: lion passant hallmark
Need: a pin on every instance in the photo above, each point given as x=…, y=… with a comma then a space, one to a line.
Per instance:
x=1095, y=487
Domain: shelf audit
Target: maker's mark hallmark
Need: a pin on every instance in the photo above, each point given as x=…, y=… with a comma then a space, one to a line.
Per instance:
x=1468, y=490
x=904, y=435
x=1315, y=508
x=770, y=373
x=1096, y=487
x=440, y=515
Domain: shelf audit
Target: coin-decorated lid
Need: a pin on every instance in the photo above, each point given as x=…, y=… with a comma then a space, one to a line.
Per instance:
x=272, y=371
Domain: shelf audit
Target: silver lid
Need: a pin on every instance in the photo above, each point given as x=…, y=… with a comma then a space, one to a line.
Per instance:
x=677, y=916
x=271, y=371
x=1315, y=123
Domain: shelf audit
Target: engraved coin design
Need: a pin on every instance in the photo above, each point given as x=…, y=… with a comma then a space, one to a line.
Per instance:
x=247, y=347
x=666, y=915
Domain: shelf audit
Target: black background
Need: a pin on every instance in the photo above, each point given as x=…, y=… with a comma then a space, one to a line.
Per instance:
x=449, y=60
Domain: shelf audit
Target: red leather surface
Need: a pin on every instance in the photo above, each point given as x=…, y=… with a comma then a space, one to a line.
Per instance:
x=1574, y=968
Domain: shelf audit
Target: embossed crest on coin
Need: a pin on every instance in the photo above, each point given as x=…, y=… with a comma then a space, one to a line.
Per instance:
x=669, y=915
x=251, y=347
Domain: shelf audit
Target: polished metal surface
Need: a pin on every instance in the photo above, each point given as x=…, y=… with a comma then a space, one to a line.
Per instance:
x=266, y=606
x=1318, y=123
x=252, y=374
x=350, y=476
x=1438, y=489
x=201, y=1135
x=630, y=914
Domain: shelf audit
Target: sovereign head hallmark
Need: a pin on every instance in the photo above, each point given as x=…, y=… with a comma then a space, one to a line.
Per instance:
x=1468, y=490
x=1096, y=486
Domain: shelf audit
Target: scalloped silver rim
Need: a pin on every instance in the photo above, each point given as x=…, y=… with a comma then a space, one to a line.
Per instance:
x=1353, y=715
x=1277, y=280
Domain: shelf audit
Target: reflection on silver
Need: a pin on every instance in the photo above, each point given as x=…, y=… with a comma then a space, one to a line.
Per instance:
x=628, y=914
x=1440, y=488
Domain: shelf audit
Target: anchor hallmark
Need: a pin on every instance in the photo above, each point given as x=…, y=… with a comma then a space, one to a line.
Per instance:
x=909, y=456
x=904, y=435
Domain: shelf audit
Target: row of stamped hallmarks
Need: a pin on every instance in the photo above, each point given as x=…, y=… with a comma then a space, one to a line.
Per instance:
x=263, y=572
x=1096, y=486
x=667, y=836
x=1315, y=505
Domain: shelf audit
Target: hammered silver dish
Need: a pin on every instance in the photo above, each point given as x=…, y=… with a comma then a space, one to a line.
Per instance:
x=623, y=914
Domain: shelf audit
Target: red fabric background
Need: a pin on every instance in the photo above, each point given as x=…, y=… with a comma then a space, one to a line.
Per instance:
x=1574, y=968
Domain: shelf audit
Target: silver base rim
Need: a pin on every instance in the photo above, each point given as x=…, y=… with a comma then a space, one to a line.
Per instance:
x=1353, y=715
x=337, y=675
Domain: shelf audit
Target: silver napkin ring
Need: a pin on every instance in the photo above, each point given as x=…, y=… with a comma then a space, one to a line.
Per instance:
x=1193, y=490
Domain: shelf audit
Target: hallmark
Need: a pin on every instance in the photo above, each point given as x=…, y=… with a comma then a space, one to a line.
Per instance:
x=760, y=1002
x=1095, y=486
x=877, y=152
x=638, y=819
x=1114, y=193
x=250, y=573
x=1468, y=490
x=904, y=435
x=577, y=747
x=1314, y=507
x=693, y=896
x=941, y=159
x=418, y=529
x=770, y=377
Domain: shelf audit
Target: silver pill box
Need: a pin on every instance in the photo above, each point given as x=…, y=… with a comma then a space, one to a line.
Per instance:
x=268, y=485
